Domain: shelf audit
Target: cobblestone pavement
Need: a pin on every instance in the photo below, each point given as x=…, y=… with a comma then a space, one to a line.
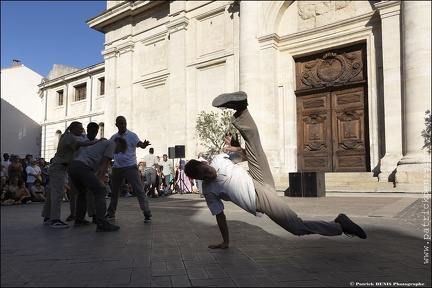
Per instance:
x=172, y=251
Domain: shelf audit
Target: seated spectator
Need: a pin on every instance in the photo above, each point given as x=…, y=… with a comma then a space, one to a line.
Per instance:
x=14, y=186
x=108, y=186
x=7, y=197
x=141, y=169
x=38, y=191
x=45, y=172
x=6, y=162
x=15, y=168
x=126, y=189
x=4, y=175
x=33, y=172
x=24, y=194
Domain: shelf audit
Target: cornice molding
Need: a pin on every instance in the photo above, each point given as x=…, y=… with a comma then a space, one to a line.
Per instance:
x=177, y=24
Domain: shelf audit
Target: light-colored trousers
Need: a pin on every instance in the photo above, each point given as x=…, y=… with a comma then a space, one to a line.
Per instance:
x=267, y=200
x=54, y=197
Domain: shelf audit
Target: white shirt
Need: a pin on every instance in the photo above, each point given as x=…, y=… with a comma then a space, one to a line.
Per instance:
x=32, y=170
x=166, y=166
x=127, y=158
x=5, y=164
x=233, y=183
x=150, y=161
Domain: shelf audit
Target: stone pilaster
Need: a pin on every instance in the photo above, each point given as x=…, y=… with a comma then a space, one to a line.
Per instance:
x=414, y=167
x=249, y=50
x=110, y=58
x=390, y=24
x=124, y=89
x=177, y=28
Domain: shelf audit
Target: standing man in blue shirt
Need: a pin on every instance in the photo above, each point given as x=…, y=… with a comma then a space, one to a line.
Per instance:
x=125, y=167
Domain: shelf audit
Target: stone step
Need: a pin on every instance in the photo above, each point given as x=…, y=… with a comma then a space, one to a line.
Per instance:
x=351, y=177
x=347, y=182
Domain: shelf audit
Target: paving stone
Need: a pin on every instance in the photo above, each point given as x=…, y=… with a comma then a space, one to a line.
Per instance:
x=172, y=251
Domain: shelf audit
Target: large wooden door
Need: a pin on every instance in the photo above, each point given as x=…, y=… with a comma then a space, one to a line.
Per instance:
x=331, y=131
x=331, y=112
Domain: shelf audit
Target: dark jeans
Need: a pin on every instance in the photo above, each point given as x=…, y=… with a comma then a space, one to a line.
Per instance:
x=83, y=177
x=132, y=175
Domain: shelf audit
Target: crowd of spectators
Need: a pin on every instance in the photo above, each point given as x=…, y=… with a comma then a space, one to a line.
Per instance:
x=32, y=174
x=23, y=180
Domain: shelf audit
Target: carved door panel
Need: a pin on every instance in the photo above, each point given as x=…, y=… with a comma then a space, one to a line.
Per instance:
x=348, y=122
x=314, y=133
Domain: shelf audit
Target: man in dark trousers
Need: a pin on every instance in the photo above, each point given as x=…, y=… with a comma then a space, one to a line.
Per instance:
x=88, y=171
x=125, y=167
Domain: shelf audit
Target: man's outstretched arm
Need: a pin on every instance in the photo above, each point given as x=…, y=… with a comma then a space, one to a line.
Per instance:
x=144, y=144
x=223, y=227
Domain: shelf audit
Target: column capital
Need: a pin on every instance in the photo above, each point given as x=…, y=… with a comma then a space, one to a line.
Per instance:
x=126, y=47
x=388, y=8
x=177, y=24
x=109, y=53
x=269, y=41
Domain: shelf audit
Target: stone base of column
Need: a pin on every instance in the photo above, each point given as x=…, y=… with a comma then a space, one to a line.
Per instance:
x=388, y=167
x=387, y=177
x=414, y=174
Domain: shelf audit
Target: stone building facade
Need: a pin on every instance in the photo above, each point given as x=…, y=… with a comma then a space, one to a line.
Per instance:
x=334, y=86
x=70, y=94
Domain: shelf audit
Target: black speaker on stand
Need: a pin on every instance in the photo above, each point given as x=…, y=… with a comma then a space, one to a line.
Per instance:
x=171, y=153
x=180, y=151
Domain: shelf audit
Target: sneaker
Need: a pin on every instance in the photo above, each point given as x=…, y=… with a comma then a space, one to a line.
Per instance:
x=109, y=217
x=28, y=202
x=235, y=100
x=46, y=221
x=81, y=222
x=147, y=218
x=70, y=218
x=58, y=224
x=105, y=226
x=349, y=227
x=128, y=194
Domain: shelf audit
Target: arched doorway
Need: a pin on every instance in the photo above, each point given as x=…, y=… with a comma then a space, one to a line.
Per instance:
x=331, y=97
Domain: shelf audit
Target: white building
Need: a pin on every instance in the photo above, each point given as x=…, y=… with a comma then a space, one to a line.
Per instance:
x=334, y=86
x=21, y=111
x=70, y=96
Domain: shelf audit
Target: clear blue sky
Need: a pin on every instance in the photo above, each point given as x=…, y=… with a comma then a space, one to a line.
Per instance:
x=43, y=33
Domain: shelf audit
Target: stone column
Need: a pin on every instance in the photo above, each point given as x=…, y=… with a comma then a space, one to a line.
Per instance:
x=390, y=25
x=110, y=102
x=416, y=41
x=249, y=51
x=124, y=86
x=177, y=78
